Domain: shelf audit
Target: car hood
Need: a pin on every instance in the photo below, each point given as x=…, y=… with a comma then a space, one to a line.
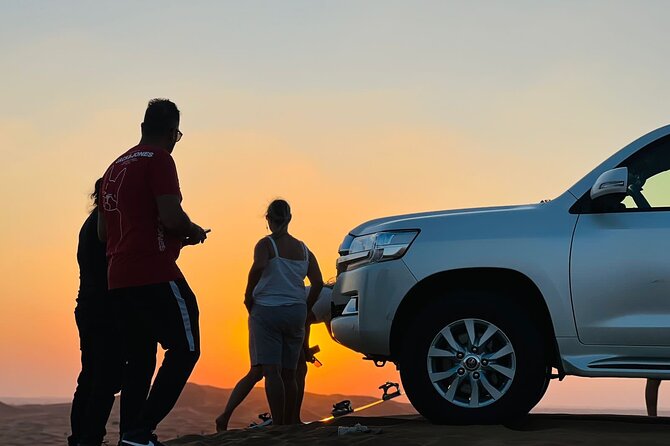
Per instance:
x=415, y=221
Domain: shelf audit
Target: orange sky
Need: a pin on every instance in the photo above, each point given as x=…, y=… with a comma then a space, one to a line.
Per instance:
x=228, y=178
x=349, y=111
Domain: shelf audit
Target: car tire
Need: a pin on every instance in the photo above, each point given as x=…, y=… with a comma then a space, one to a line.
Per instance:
x=449, y=383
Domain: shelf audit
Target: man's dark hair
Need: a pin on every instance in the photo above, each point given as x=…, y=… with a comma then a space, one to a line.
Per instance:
x=160, y=117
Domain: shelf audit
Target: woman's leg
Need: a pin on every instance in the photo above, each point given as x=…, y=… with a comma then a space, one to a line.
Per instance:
x=651, y=396
x=274, y=390
x=238, y=395
x=291, y=396
x=301, y=375
x=301, y=372
x=293, y=344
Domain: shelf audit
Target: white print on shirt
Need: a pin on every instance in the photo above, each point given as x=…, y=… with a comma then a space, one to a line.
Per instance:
x=110, y=195
x=161, y=237
x=134, y=155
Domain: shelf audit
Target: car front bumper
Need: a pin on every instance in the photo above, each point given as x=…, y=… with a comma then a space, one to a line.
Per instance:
x=372, y=294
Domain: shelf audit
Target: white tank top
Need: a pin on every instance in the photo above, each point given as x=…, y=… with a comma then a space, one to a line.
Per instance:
x=283, y=280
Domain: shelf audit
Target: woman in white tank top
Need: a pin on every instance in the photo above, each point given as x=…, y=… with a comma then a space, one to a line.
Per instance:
x=275, y=298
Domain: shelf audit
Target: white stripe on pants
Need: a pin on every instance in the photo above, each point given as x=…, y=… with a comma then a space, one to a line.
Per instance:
x=184, y=315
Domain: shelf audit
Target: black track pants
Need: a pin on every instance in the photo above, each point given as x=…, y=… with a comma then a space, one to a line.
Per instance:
x=165, y=313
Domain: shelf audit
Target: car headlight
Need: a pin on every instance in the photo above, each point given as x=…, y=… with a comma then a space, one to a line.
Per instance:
x=377, y=247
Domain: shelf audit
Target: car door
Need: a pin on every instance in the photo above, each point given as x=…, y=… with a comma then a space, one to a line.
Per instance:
x=620, y=259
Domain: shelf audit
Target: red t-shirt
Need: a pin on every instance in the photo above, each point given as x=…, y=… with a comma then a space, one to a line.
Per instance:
x=139, y=250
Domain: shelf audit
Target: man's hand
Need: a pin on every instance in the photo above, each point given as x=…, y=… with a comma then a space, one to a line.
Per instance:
x=196, y=235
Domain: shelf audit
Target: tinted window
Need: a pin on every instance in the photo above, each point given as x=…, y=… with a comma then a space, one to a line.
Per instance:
x=649, y=177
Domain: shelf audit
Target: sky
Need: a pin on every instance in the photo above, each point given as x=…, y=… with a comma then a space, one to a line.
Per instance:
x=350, y=110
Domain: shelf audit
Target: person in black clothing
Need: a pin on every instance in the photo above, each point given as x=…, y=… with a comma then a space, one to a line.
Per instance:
x=100, y=375
x=651, y=396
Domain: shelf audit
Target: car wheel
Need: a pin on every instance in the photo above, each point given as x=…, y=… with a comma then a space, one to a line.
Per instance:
x=477, y=359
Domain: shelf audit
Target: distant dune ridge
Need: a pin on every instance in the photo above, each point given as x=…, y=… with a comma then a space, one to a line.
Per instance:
x=209, y=402
x=6, y=409
x=191, y=423
x=198, y=406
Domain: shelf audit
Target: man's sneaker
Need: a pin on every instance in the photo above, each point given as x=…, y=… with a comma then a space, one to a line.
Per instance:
x=140, y=438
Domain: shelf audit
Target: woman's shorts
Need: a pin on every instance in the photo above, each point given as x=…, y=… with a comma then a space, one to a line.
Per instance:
x=276, y=335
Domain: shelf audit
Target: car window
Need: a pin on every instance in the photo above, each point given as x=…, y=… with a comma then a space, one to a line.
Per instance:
x=656, y=191
x=649, y=177
x=648, y=184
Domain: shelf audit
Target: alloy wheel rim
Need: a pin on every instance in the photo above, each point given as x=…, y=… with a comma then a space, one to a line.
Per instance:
x=471, y=363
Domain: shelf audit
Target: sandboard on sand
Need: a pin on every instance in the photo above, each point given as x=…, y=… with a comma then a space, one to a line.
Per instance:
x=341, y=409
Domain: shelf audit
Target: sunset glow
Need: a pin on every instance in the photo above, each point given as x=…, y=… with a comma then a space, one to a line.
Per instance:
x=348, y=110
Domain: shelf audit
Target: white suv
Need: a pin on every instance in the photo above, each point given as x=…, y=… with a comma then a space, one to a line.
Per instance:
x=477, y=306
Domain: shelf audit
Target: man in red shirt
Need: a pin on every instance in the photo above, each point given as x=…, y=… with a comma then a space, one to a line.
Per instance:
x=145, y=227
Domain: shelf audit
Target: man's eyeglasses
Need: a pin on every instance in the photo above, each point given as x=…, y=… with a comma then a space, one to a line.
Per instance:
x=178, y=135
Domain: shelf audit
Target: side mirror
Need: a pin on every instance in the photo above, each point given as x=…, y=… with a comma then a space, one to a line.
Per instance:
x=613, y=181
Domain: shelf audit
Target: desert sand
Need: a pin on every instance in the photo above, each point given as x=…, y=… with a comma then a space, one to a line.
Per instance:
x=191, y=424
x=198, y=406
x=537, y=429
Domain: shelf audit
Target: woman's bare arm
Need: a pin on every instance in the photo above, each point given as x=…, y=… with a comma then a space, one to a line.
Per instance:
x=261, y=258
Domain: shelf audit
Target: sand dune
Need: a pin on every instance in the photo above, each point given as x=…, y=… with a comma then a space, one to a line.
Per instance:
x=537, y=429
x=198, y=406
x=34, y=424
x=6, y=409
x=191, y=424
x=194, y=413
